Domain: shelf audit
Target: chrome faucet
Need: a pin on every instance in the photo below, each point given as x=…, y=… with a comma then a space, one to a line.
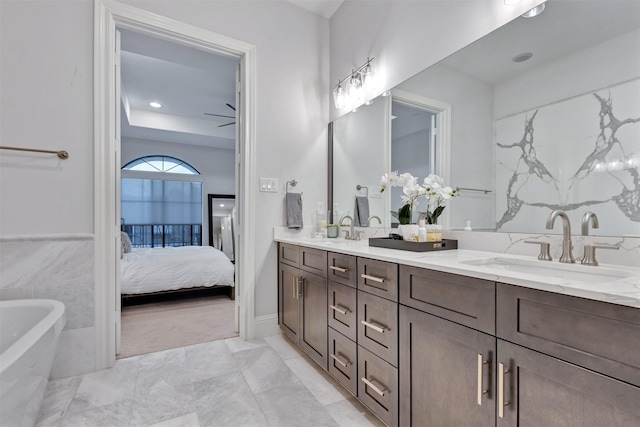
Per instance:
x=589, y=257
x=567, y=249
x=373, y=217
x=586, y=218
x=349, y=235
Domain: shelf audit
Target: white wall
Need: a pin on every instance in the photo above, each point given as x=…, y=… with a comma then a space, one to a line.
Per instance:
x=46, y=69
x=405, y=37
x=216, y=167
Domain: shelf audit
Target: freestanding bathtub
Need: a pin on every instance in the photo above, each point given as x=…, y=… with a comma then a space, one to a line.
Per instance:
x=29, y=332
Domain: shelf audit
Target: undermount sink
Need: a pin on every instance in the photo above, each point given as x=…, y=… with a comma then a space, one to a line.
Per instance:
x=572, y=272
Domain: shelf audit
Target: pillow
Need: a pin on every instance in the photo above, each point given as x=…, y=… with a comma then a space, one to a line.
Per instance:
x=126, y=242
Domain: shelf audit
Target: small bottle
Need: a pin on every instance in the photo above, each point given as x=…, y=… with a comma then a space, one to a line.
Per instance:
x=422, y=232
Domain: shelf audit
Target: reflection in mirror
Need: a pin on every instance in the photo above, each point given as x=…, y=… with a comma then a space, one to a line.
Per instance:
x=560, y=130
x=222, y=212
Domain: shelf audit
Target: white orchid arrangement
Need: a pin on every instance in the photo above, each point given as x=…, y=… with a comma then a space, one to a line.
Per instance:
x=431, y=188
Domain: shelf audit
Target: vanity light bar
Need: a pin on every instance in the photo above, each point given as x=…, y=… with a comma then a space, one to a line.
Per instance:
x=358, y=80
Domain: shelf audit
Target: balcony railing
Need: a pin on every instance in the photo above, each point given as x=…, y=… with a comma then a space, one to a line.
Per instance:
x=162, y=235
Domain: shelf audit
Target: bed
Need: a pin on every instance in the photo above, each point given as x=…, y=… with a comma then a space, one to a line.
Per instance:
x=148, y=271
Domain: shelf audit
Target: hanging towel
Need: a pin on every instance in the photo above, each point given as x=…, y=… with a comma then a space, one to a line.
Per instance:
x=294, y=210
x=361, y=211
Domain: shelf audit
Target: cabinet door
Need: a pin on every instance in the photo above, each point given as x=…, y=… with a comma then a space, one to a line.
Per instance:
x=289, y=301
x=446, y=373
x=313, y=332
x=540, y=390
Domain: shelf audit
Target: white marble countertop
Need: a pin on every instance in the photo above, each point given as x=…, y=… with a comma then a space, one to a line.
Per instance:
x=589, y=282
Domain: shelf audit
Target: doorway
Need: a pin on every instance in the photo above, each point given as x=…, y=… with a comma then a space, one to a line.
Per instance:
x=109, y=17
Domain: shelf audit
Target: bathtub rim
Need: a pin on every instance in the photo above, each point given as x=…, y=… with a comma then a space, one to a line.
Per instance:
x=55, y=320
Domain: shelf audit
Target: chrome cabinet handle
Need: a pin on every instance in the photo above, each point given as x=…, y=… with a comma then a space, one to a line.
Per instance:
x=300, y=289
x=374, y=278
x=338, y=309
x=340, y=269
x=294, y=288
x=481, y=389
x=373, y=387
x=340, y=362
x=501, y=401
x=373, y=326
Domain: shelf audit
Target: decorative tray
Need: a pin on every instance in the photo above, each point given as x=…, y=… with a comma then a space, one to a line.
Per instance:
x=404, y=245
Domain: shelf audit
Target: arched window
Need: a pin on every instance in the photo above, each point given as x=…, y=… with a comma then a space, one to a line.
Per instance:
x=158, y=210
x=166, y=164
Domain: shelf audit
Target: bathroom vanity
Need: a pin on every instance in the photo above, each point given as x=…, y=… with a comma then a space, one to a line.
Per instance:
x=460, y=338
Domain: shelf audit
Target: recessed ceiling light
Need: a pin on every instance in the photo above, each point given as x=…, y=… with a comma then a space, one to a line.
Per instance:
x=521, y=57
x=155, y=104
x=221, y=205
x=534, y=12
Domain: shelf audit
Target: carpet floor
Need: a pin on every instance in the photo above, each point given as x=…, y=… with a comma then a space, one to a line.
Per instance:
x=148, y=328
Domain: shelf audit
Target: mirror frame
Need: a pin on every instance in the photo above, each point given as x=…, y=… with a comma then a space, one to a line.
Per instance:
x=210, y=198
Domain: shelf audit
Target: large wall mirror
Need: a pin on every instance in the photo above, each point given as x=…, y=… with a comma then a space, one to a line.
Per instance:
x=222, y=213
x=544, y=114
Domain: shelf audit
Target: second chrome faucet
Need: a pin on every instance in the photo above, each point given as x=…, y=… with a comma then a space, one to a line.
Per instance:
x=567, y=249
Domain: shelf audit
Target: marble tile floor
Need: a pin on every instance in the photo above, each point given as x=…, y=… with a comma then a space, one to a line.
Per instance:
x=267, y=382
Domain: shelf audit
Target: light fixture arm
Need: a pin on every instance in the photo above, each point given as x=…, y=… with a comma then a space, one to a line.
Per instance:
x=356, y=71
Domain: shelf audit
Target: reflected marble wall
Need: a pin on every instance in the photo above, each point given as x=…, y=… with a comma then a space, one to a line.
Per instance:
x=576, y=155
x=60, y=268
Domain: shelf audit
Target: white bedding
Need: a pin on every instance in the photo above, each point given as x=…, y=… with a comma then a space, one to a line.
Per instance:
x=161, y=269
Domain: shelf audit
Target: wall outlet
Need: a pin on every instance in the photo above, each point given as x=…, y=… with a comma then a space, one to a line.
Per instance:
x=269, y=185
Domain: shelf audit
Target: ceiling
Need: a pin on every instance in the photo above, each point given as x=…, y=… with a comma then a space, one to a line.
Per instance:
x=560, y=30
x=187, y=82
x=324, y=8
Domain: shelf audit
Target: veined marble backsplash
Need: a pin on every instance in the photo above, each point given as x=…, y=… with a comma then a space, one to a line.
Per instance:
x=513, y=243
x=59, y=267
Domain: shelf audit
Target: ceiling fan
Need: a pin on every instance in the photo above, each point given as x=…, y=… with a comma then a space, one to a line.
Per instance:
x=228, y=117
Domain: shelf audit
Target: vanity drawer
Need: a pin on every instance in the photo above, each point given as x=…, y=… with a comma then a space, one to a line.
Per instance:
x=342, y=309
x=378, y=277
x=378, y=326
x=596, y=335
x=342, y=269
x=461, y=299
x=289, y=254
x=314, y=261
x=378, y=386
x=343, y=359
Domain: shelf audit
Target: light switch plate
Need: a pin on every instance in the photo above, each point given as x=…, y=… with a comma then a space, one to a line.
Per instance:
x=375, y=192
x=269, y=185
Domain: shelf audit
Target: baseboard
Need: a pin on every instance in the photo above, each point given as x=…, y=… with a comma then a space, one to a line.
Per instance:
x=265, y=326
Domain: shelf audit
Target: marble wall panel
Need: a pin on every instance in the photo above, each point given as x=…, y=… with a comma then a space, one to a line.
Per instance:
x=577, y=155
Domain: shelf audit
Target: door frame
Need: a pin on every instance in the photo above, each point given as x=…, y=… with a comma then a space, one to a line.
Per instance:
x=109, y=15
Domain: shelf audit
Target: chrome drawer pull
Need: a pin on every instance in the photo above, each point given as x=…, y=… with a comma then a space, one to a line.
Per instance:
x=374, y=278
x=337, y=359
x=481, y=390
x=339, y=310
x=373, y=326
x=374, y=387
x=501, y=401
x=340, y=269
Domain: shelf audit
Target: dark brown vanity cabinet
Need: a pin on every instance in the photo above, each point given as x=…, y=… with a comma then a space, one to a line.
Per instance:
x=420, y=347
x=302, y=299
